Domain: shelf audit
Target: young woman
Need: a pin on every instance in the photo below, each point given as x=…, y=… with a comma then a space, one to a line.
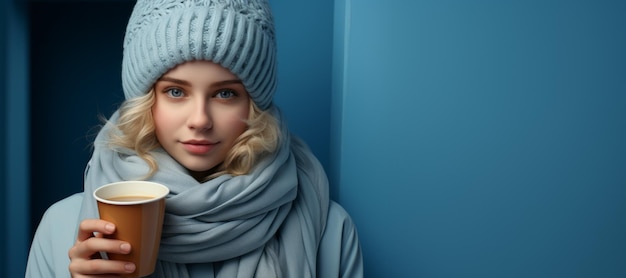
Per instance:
x=247, y=199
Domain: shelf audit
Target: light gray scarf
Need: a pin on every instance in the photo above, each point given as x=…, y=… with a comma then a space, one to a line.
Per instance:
x=264, y=224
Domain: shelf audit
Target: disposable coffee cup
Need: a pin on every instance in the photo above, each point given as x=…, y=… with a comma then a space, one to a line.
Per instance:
x=136, y=208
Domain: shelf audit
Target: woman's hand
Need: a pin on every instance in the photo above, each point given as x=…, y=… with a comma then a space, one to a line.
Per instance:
x=85, y=258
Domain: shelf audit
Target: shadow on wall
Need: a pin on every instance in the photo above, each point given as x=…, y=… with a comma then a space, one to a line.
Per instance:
x=75, y=55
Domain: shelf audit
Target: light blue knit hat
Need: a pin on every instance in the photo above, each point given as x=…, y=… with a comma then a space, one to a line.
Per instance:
x=237, y=34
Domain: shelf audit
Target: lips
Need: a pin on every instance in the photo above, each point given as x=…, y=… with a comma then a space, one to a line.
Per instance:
x=198, y=146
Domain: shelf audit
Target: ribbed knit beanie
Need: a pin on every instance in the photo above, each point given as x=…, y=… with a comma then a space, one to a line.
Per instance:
x=237, y=34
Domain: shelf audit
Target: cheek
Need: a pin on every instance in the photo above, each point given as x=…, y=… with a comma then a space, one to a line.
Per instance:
x=239, y=123
x=163, y=121
x=236, y=122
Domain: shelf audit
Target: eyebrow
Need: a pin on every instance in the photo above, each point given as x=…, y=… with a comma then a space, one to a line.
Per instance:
x=183, y=82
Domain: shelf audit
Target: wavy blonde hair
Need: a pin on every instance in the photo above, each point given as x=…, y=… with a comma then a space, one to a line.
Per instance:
x=135, y=130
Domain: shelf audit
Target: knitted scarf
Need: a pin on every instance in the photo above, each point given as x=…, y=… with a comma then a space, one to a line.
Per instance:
x=264, y=224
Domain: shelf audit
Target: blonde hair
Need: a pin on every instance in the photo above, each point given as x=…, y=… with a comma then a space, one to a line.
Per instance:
x=135, y=130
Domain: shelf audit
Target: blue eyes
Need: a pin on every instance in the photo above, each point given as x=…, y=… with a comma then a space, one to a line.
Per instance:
x=175, y=93
x=226, y=94
x=222, y=94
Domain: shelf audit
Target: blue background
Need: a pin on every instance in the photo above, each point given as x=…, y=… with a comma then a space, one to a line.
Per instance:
x=466, y=138
x=485, y=138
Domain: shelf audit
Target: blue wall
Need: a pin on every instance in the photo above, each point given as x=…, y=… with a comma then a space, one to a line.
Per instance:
x=3, y=54
x=14, y=178
x=483, y=138
x=304, y=37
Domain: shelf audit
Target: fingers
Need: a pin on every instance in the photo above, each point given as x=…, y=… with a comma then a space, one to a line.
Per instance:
x=89, y=226
x=93, y=267
x=83, y=259
x=89, y=247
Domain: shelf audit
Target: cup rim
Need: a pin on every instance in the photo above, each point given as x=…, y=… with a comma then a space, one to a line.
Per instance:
x=160, y=192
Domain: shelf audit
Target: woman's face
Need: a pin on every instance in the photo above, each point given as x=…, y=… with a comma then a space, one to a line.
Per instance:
x=199, y=112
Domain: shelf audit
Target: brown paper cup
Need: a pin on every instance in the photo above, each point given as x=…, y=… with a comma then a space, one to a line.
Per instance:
x=136, y=208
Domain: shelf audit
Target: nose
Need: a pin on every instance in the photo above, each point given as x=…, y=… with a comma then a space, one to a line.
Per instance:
x=199, y=117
